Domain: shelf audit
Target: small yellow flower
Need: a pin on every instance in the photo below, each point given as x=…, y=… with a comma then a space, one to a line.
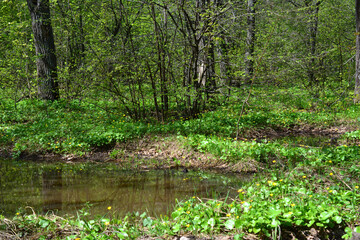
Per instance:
x=188, y=212
x=107, y=223
x=331, y=174
x=271, y=194
x=274, y=184
x=257, y=184
x=280, y=180
x=274, y=161
x=109, y=208
x=327, y=188
x=193, y=197
x=240, y=190
x=330, y=191
x=310, y=195
x=242, y=202
x=304, y=176
x=77, y=239
x=179, y=209
x=290, y=213
x=293, y=204
x=237, y=217
x=187, y=225
x=330, y=161
x=17, y=213
x=357, y=187
x=228, y=215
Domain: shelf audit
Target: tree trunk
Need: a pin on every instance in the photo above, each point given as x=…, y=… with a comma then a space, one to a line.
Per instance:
x=45, y=49
x=357, y=72
x=313, y=29
x=250, y=41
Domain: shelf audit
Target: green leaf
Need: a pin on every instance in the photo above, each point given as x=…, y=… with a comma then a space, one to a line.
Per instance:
x=147, y=222
x=177, y=227
x=44, y=223
x=337, y=219
x=275, y=223
x=319, y=224
x=325, y=215
x=211, y=222
x=357, y=229
x=238, y=223
x=274, y=213
x=238, y=237
x=175, y=214
x=229, y=224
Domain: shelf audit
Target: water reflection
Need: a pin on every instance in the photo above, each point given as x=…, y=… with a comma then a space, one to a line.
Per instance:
x=66, y=189
x=52, y=189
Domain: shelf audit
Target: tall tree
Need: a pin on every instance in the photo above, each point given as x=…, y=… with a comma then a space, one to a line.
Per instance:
x=48, y=88
x=250, y=41
x=357, y=72
x=313, y=30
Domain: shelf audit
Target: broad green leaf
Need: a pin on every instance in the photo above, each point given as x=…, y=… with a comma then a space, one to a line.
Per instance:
x=337, y=219
x=176, y=227
x=211, y=222
x=275, y=223
x=229, y=224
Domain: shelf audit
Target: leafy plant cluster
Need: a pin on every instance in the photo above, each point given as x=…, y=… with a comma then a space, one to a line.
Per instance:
x=77, y=127
x=293, y=202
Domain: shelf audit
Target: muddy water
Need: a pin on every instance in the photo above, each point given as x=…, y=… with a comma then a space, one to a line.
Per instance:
x=66, y=188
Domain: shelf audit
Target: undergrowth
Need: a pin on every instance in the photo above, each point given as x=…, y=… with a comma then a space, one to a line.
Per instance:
x=310, y=185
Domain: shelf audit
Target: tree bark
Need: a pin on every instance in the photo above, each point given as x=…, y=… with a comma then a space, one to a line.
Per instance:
x=48, y=88
x=357, y=70
x=313, y=29
x=250, y=41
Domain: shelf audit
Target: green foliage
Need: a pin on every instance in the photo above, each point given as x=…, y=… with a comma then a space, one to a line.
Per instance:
x=295, y=201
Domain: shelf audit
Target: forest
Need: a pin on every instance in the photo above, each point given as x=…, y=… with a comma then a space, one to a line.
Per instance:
x=265, y=89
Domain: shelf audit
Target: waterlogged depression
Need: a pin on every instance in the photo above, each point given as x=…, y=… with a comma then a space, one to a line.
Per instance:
x=66, y=188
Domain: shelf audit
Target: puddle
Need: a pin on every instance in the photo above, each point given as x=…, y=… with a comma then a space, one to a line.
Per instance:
x=66, y=188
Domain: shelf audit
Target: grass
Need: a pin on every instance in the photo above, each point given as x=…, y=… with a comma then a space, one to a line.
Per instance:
x=307, y=185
